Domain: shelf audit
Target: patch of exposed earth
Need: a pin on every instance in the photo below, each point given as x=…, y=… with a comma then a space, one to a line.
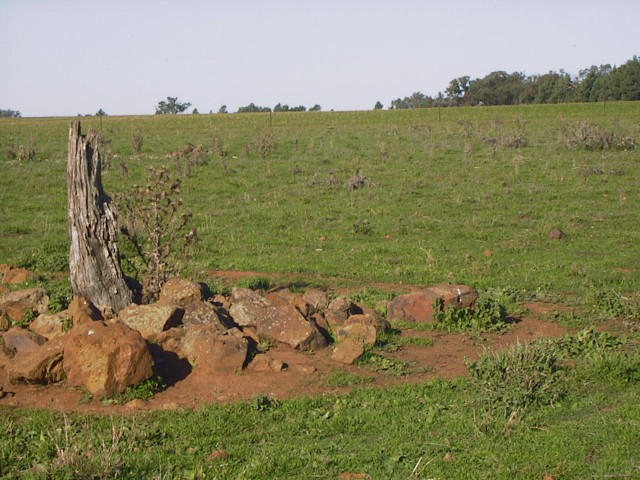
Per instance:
x=443, y=355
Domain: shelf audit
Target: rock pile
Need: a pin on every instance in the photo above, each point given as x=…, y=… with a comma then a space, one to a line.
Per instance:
x=105, y=354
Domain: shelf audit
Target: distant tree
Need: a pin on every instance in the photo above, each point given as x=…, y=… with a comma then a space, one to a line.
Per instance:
x=195, y=112
x=171, y=106
x=497, y=88
x=457, y=88
x=223, y=109
x=315, y=108
x=101, y=113
x=299, y=108
x=378, y=105
x=10, y=113
x=416, y=100
x=281, y=108
x=253, y=108
x=629, y=80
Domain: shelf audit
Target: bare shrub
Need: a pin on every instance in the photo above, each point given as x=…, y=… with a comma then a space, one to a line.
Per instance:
x=585, y=135
x=266, y=144
x=357, y=181
x=514, y=140
x=156, y=227
x=136, y=143
x=218, y=147
x=22, y=153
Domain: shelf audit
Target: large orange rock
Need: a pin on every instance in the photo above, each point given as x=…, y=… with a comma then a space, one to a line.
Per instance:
x=420, y=306
x=209, y=350
x=363, y=327
x=150, y=319
x=205, y=313
x=16, y=303
x=22, y=340
x=50, y=325
x=82, y=311
x=246, y=306
x=282, y=322
x=180, y=292
x=349, y=351
x=42, y=365
x=106, y=359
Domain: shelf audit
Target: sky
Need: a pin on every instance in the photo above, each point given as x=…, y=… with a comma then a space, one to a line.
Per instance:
x=62, y=58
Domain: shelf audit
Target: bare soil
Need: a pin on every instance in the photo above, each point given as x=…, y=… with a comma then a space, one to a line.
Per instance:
x=306, y=373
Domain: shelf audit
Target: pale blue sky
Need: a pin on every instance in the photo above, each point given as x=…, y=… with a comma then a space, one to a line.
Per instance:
x=68, y=57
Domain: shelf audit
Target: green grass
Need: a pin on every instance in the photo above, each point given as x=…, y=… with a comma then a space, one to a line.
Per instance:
x=438, y=194
x=439, y=191
x=591, y=432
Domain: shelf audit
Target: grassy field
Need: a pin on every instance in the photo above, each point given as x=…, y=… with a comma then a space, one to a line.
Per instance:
x=439, y=193
x=438, y=189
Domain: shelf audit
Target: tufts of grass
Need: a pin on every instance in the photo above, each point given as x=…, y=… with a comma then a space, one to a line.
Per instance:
x=343, y=378
x=487, y=315
x=383, y=364
x=522, y=376
x=141, y=391
x=534, y=374
x=254, y=283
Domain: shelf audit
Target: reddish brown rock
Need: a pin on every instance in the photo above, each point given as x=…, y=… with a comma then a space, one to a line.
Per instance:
x=4, y=290
x=15, y=304
x=209, y=350
x=169, y=340
x=6, y=353
x=150, y=319
x=22, y=340
x=341, y=307
x=364, y=327
x=4, y=268
x=414, y=307
x=320, y=321
x=17, y=276
x=223, y=301
x=205, y=313
x=265, y=363
x=419, y=306
x=557, y=234
x=42, y=365
x=457, y=296
x=296, y=300
x=50, y=325
x=180, y=292
x=82, y=311
x=348, y=351
x=282, y=322
x=246, y=306
x=318, y=299
x=105, y=359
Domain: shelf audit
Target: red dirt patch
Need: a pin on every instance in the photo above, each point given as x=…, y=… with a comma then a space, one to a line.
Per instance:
x=306, y=373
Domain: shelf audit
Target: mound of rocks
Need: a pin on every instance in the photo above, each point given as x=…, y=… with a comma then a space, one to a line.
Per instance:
x=106, y=354
x=420, y=306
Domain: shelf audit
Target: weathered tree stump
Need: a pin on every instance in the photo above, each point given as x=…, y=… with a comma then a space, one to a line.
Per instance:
x=94, y=261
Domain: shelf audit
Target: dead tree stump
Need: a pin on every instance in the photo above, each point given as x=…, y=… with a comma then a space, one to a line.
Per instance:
x=94, y=261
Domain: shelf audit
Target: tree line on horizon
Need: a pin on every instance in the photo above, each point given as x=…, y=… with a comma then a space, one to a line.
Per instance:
x=594, y=84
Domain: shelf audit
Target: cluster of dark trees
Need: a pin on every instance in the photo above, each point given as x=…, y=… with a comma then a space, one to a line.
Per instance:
x=253, y=108
x=593, y=84
x=10, y=113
